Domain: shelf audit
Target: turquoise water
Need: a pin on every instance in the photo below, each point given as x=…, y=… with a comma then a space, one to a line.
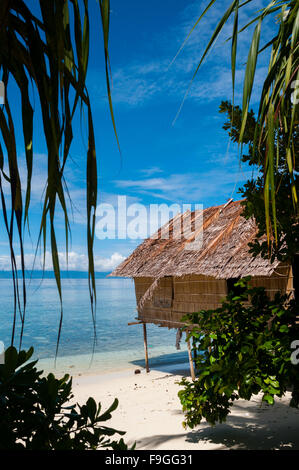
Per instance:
x=118, y=346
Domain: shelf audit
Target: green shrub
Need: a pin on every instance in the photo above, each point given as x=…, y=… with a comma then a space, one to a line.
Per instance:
x=242, y=349
x=35, y=412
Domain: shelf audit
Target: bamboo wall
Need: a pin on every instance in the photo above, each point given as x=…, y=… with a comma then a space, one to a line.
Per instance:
x=176, y=296
x=281, y=280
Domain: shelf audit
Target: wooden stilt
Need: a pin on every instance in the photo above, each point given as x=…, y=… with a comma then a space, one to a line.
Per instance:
x=145, y=347
x=191, y=361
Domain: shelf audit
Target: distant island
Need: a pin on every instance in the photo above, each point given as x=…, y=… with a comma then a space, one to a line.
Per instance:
x=50, y=275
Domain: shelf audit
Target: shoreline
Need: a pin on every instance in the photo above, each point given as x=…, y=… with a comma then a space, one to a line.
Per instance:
x=103, y=363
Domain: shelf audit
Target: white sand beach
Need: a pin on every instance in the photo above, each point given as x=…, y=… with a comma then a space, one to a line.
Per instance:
x=150, y=412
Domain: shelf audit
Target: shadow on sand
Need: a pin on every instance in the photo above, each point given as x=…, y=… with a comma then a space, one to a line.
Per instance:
x=174, y=362
x=255, y=427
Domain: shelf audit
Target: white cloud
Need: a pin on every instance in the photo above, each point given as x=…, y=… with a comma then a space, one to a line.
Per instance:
x=218, y=85
x=137, y=83
x=76, y=262
x=190, y=187
x=151, y=171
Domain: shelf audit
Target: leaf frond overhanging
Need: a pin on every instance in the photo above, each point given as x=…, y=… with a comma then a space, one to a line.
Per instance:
x=278, y=112
x=49, y=55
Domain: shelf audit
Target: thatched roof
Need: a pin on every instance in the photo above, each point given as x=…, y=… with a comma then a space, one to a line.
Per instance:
x=223, y=254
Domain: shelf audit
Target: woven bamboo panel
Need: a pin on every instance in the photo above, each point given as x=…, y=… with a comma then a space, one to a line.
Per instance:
x=176, y=296
x=280, y=281
x=290, y=284
x=199, y=285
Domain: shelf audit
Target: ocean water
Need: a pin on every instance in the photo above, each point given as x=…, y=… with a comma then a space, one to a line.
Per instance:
x=118, y=345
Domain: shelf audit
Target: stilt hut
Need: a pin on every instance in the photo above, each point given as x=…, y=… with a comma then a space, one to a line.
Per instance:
x=172, y=280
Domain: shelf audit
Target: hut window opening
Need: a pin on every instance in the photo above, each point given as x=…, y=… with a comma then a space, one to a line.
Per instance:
x=232, y=288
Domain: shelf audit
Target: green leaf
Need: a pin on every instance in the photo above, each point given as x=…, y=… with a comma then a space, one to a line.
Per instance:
x=269, y=399
x=284, y=329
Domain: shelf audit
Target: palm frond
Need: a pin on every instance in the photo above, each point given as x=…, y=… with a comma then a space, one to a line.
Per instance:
x=276, y=112
x=50, y=54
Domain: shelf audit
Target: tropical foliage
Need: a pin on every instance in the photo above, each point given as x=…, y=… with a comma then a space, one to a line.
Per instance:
x=35, y=413
x=285, y=247
x=278, y=103
x=242, y=349
x=46, y=58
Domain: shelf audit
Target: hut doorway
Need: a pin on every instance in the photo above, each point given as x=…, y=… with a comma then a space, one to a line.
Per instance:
x=232, y=288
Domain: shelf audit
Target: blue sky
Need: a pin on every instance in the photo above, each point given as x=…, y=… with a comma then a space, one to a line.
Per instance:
x=165, y=158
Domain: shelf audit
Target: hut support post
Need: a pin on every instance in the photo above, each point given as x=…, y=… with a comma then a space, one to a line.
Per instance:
x=145, y=347
x=191, y=360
